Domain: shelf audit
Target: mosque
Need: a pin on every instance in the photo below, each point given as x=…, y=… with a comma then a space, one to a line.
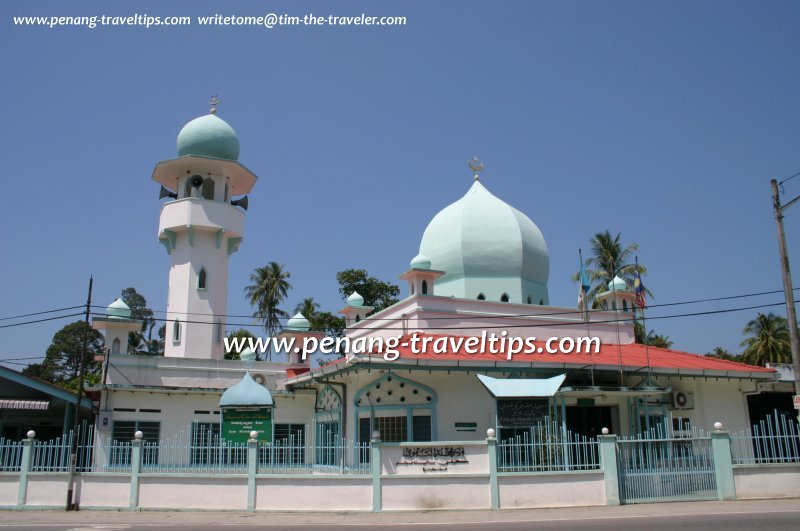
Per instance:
x=483, y=266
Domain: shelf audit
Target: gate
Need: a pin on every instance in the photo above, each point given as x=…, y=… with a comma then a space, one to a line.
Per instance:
x=666, y=469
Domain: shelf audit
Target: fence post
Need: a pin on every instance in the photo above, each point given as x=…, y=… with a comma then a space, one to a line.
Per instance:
x=494, y=488
x=375, y=463
x=252, y=469
x=608, y=457
x=25, y=467
x=136, y=468
x=723, y=465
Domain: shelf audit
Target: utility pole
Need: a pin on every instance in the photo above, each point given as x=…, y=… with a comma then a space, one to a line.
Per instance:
x=73, y=461
x=791, y=315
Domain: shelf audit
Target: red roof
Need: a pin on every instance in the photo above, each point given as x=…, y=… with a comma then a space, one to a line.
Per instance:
x=629, y=355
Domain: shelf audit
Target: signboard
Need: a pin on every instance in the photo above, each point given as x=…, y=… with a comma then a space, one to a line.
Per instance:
x=586, y=401
x=466, y=426
x=521, y=412
x=796, y=399
x=237, y=423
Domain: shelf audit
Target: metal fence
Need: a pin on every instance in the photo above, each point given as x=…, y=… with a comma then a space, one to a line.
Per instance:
x=10, y=455
x=775, y=439
x=546, y=447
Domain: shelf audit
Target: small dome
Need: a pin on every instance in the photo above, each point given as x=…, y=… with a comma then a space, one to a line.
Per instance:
x=617, y=285
x=246, y=393
x=118, y=310
x=208, y=136
x=247, y=354
x=421, y=262
x=355, y=299
x=298, y=323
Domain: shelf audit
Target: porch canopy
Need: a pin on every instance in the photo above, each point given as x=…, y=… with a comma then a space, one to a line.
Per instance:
x=522, y=387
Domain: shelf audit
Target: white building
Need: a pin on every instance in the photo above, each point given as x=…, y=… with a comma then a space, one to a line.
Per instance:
x=483, y=266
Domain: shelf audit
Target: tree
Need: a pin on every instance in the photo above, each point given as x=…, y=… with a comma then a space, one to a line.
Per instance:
x=326, y=322
x=62, y=360
x=241, y=333
x=307, y=307
x=376, y=292
x=658, y=340
x=141, y=342
x=268, y=290
x=767, y=340
x=650, y=338
x=609, y=259
x=723, y=354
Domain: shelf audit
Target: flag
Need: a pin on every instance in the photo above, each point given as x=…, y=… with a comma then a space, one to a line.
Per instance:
x=583, y=290
x=638, y=290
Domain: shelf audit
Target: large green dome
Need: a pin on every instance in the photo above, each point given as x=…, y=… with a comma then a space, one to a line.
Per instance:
x=208, y=136
x=487, y=249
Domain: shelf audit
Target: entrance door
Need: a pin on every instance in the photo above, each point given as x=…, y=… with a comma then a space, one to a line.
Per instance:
x=590, y=420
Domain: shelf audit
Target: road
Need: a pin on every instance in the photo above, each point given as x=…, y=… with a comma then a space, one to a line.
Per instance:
x=772, y=515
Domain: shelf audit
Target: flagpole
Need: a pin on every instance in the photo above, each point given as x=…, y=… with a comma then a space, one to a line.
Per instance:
x=644, y=326
x=584, y=308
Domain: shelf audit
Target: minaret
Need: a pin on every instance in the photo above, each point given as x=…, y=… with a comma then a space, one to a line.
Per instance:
x=201, y=227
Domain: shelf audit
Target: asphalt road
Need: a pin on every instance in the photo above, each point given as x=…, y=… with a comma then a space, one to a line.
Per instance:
x=772, y=515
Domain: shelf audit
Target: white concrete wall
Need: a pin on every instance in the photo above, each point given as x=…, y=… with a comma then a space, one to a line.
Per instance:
x=175, y=492
x=413, y=493
x=767, y=481
x=47, y=489
x=9, y=488
x=314, y=494
x=103, y=490
x=567, y=489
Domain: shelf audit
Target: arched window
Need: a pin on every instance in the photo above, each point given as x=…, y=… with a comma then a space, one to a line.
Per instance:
x=176, y=331
x=187, y=190
x=504, y=297
x=529, y=300
x=358, y=318
x=208, y=188
x=424, y=287
x=481, y=297
x=201, y=278
x=115, y=346
x=400, y=409
x=541, y=302
x=613, y=305
x=624, y=306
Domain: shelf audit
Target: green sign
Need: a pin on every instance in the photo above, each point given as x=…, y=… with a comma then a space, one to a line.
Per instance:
x=586, y=401
x=238, y=422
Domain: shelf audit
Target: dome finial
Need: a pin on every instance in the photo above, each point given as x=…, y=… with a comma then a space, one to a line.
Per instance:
x=475, y=165
x=214, y=102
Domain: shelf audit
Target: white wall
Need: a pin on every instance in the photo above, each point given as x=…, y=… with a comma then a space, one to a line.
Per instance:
x=568, y=489
x=314, y=494
x=767, y=481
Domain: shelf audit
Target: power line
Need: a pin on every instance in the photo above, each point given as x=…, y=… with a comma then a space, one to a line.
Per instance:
x=41, y=320
x=492, y=316
x=40, y=313
x=529, y=325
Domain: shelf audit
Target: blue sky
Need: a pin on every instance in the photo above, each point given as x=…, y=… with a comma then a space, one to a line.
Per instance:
x=662, y=120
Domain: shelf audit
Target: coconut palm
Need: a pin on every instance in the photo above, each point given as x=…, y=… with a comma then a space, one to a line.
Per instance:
x=767, y=340
x=307, y=307
x=268, y=290
x=609, y=259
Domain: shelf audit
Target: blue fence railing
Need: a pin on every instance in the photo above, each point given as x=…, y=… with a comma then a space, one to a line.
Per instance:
x=774, y=439
x=546, y=447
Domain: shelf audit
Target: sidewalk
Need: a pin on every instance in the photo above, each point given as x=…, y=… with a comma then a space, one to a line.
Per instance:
x=43, y=518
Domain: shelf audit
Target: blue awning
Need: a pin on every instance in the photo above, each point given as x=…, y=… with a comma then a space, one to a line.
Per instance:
x=522, y=387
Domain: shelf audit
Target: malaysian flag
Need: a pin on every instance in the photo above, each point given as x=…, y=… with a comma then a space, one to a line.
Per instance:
x=639, y=298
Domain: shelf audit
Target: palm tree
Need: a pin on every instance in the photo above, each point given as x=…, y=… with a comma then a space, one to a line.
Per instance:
x=307, y=307
x=609, y=259
x=268, y=290
x=768, y=340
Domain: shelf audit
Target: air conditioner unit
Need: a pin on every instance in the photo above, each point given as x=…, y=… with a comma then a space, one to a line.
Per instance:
x=682, y=400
